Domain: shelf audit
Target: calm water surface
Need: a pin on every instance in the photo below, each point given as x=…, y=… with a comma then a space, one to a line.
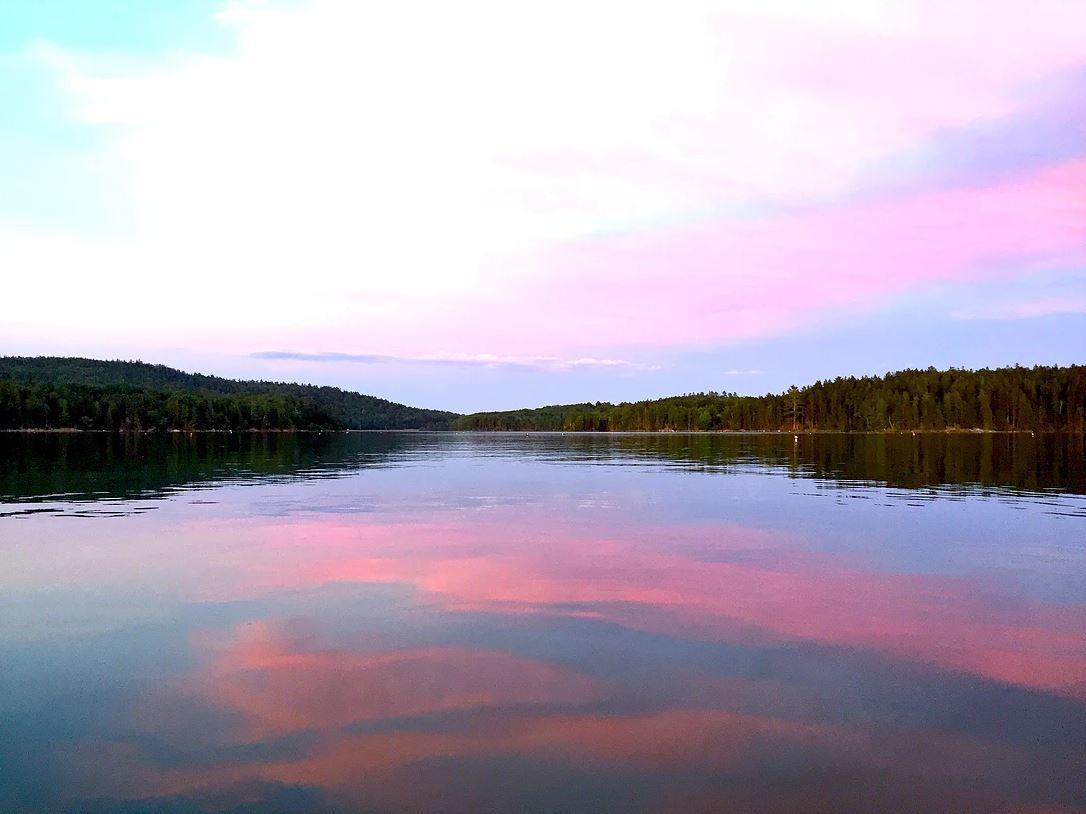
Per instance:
x=455, y=622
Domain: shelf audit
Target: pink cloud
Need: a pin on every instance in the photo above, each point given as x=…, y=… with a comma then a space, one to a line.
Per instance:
x=726, y=279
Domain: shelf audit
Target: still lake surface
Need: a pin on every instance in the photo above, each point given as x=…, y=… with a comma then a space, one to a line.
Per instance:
x=461, y=622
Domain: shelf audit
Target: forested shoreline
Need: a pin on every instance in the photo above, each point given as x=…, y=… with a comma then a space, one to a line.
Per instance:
x=56, y=393
x=1003, y=399
x=89, y=394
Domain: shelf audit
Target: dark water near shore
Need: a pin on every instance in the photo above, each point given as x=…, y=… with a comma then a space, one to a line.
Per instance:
x=457, y=622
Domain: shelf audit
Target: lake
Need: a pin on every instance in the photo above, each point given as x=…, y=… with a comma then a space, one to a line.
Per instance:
x=472, y=622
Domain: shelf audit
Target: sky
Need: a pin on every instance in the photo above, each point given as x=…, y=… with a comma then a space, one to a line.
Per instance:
x=490, y=205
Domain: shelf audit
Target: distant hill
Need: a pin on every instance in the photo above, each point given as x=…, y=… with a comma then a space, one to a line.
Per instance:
x=1011, y=398
x=59, y=392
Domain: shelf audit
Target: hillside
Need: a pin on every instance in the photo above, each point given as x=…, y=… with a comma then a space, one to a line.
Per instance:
x=1012, y=398
x=55, y=392
x=62, y=392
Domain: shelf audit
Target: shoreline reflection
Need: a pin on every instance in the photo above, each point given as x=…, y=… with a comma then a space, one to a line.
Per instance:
x=445, y=624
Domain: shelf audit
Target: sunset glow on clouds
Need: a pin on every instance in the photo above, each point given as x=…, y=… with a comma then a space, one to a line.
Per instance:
x=364, y=193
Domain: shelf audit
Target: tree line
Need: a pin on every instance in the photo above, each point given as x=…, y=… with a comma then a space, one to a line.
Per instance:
x=1010, y=398
x=55, y=392
x=123, y=408
x=61, y=392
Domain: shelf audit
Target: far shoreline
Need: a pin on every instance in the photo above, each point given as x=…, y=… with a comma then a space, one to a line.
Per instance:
x=134, y=433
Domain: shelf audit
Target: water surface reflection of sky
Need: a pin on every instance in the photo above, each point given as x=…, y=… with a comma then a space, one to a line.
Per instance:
x=472, y=627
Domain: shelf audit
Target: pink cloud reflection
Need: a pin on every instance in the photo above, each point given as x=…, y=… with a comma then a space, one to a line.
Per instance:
x=753, y=585
x=272, y=682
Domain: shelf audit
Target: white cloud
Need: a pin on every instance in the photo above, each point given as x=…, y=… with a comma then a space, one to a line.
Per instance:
x=363, y=174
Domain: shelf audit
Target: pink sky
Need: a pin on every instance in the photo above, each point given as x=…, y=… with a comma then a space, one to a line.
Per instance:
x=482, y=204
